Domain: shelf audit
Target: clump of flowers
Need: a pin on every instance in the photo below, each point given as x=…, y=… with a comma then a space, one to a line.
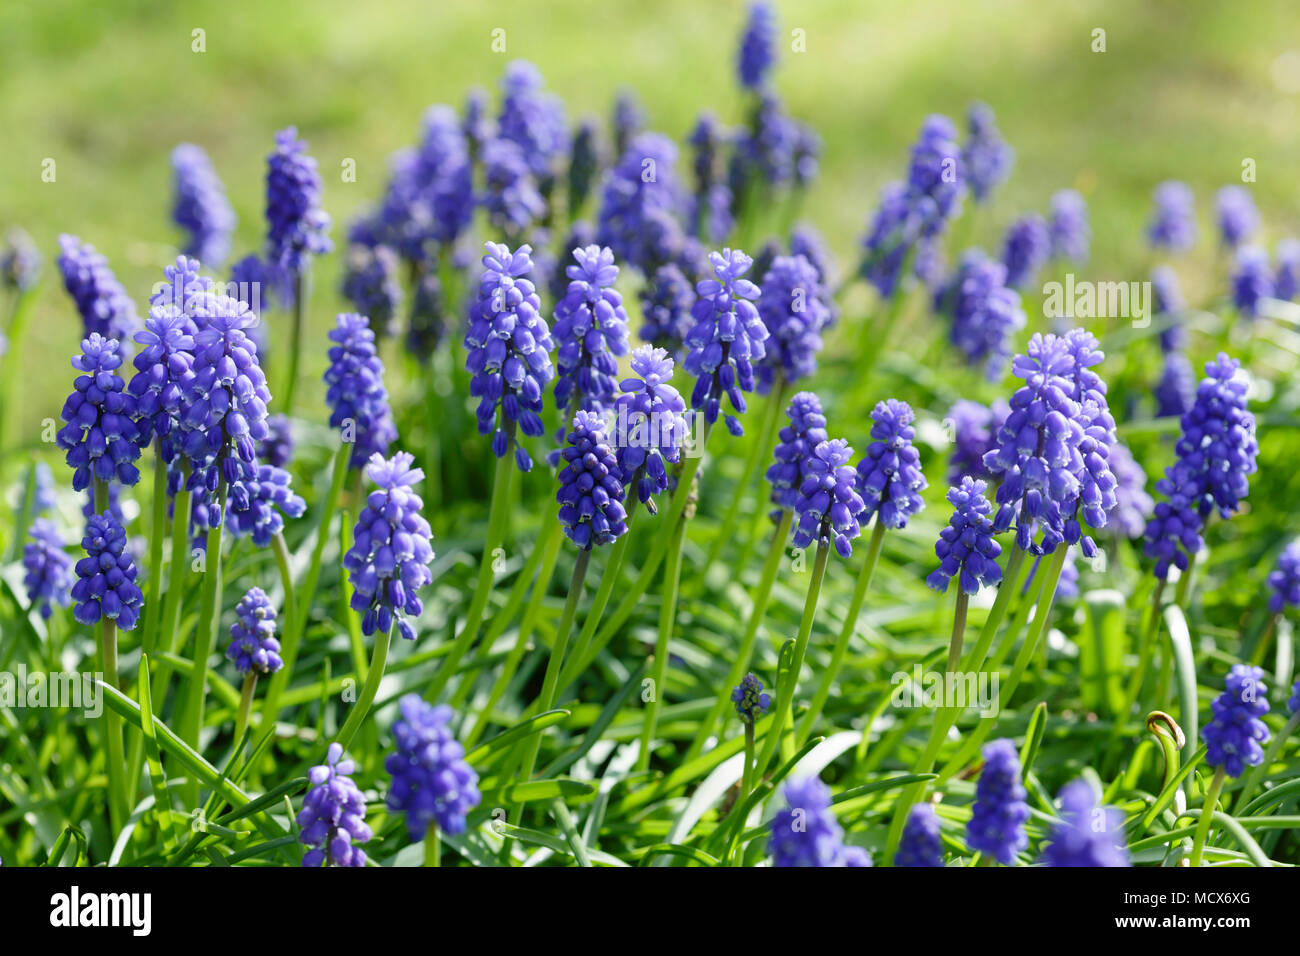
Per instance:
x=297, y=226
x=100, y=436
x=253, y=646
x=641, y=185
x=105, y=586
x=920, y=845
x=259, y=503
x=1088, y=835
x=1234, y=735
x=1285, y=579
x=432, y=783
x=985, y=157
x=966, y=547
x=105, y=307
x=590, y=329
x=889, y=477
x=829, y=506
x=796, y=441
x=985, y=312
x=370, y=283
x=792, y=306
x=333, y=815
x=199, y=205
x=47, y=569
x=650, y=428
x=1025, y=249
x=997, y=823
x=1068, y=226
x=1252, y=280
x=805, y=832
x=591, y=486
x=355, y=390
x=973, y=427
x=1173, y=226
x=757, y=46
x=751, y=703
x=1237, y=216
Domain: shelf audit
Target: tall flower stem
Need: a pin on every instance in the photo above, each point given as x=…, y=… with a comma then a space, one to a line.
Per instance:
x=1145, y=652
x=301, y=289
x=550, y=683
x=117, y=792
x=746, y=775
x=374, y=674
x=841, y=649
x=432, y=846
x=497, y=517
x=757, y=609
x=245, y=704
x=1265, y=640
x=1207, y=815
x=283, y=561
x=302, y=603
x=157, y=532
x=659, y=667
x=958, y=631
x=785, y=690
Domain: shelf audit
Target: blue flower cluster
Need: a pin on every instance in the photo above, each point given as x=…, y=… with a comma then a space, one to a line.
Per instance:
x=1133, y=506
x=163, y=366
x=591, y=485
x=1167, y=301
x=796, y=441
x=370, y=283
x=1286, y=281
x=103, y=304
x=751, y=703
x=1173, y=226
x=793, y=306
x=666, y=302
x=355, y=390
x=920, y=844
x=512, y=198
x=829, y=506
x=1176, y=390
x=1026, y=247
x=297, y=226
x=1285, y=579
x=432, y=783
x=590, y=330
x=20, y=261
x=199, y=205
x=649, y=427
x=105, y=586
x=259, y=503
x=985, y=313
x=986, y=158
x=966, y=547
x=997, y=823
x=757, y=46
x=1088, y=835
x=333, y=815
x=391, y=549
x=100, y=436
x=1252, y=279
x=533, y=119
x=973, y=428
x=1236, y=214
x=805, y=832
x=253, y=646
x=889, y=477
x=1237, y=729
x=47, y=569
x=642, y=184
x=1068, y=226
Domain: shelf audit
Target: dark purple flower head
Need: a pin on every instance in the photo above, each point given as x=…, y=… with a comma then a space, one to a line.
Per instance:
x=199, y=205
x=934, y=176
x=666, y=300
x=794, y=310
x=432, y=783
x=513, y=201
x=1168, y=302
x=805, y=832
x=966, y=547
x=649, y=427
x=894, y=235
x=1133, y=505
x=100, y=436
x=509, y=347
x=829, y=506
x=1088, y=834
x=642, y=183
x=751, y=703
x=807, y=155
x=333, y=815
x=985, y=313
x=105, y=586
x=584, y=164
x=973, y=428
x=1285, y=580
x=253, y=646
x=1237, y=216
x=47, y=569
x=371, y=284
x=427, y=323
x=391, y=549
x=986, y=158
x=769, y=148
x=757, y=46
x=1068, y=227
x=1025, y=249
x=104, y=305
x=590, y=329
x=477, y=125
x=260, y=502
x=277, y=448
x=889, y=476
x=591, y=485
x=807, y=430
x=1252, y=280
x=20, y=261
x=163, y=366
x=444, y=175
x=806, y=241
x=628, y=119
x=1286, y=281
x=997, y=823
x=1237, y=729
x=1176, y=389
x=727, y=338
x=297, y=226
x=920, y=844
x=1173, y=226
x=1216, y=457
x=532, y=118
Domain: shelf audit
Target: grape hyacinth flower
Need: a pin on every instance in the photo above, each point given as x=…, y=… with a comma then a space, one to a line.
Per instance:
x=1216, y=456
x=757, y=46
x=805, y=832
x=259, y=503
x=104, y=305
x=277, y=448
x=1167, y=300
x=985, y=313
x=591, y=485
x=199, y=205
x=1173, y=226
x=355, y=390
x=297, y=226
x=371, y=284
x=476, y=124
x=829, y=506
x=1237, y=216
x=1068, y=227
x=894, y=233
x=649, y=427
x=163, y=366
x=1252, y=280
x=794, y=449
x=1286, y=281
x=512, y=199
x=590, y=330
x=509, y=348
x=253, y=646
x=807, y=242
x=100, y=435
x=47, y=569
x=1285, y=580
x=584, y=163
x=1176, y=389
x=333, y=815
x=532, y=119
x=767, y=149
x=1133, y=506
x=973, y=428
x=751, y=703
x=792, y=305
x=1237, y=729
x=966, y=547
x=20, y=261
x=997, y=823
x=391, y=548
x=920, y=845
x=986, y=158
x=935, y=179
x=889, y=477
x=105, y=586
x=666, y=301
x=728, y=336
x=643, y=181
x=1088, y=835
x=432, y=784
x=426, y=324
x=44, y=495
x=1025, y=249
x=444, y=176
x=627, y=121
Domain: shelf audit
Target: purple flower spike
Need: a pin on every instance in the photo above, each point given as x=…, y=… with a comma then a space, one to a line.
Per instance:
x=1068, y=227
x=751, y=703
x=590, y=330
x=106, y=576
x=260, y=502
x=889, y=476
x=974, y=428
x=793, y=306
x=100, y=436
x=1173, y=226
x=805, y=832
x=641, y=188
x=997, y=823
x=1176, y=390
x=829, y=506
x=432, y=783
x=1285, y=579
x=355, y=390
x=1237, y=729
x=591, y=485
x=1089, y=835
x=47, y=569
x=333, y=815
x=297, y=226
x=371, y=284
x=757, y=46
x=199, y=205
x=985, y=157
x=1238, y=218
x=920, y=844
x=794, y=449
x=1286, y=281
x=985, y=313
x=104, y=305
x=966, y=548
x=253, y=646
x=1025, y=249
x=1252, y=280
x=649, y=428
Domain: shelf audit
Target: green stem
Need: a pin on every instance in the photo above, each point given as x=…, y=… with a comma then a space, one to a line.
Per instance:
x=757, y=609
x=374, y=674
x=500, y=512
x=117, y=799
x=1265, y=640
x=1145, y=653
x=176, y=579
x=958, y=631
x=785, y=692
x=301, y=289
x=157, y=532
x=841, y=649
x=432, y=846
x=746, y=778
x=1207, y=815
x=245, y=704
x=659, y=665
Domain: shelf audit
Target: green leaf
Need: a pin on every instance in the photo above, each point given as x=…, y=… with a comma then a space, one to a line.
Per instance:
x=520, y=731
x=676, y=849
x=1033, y=737
x=537, y=790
